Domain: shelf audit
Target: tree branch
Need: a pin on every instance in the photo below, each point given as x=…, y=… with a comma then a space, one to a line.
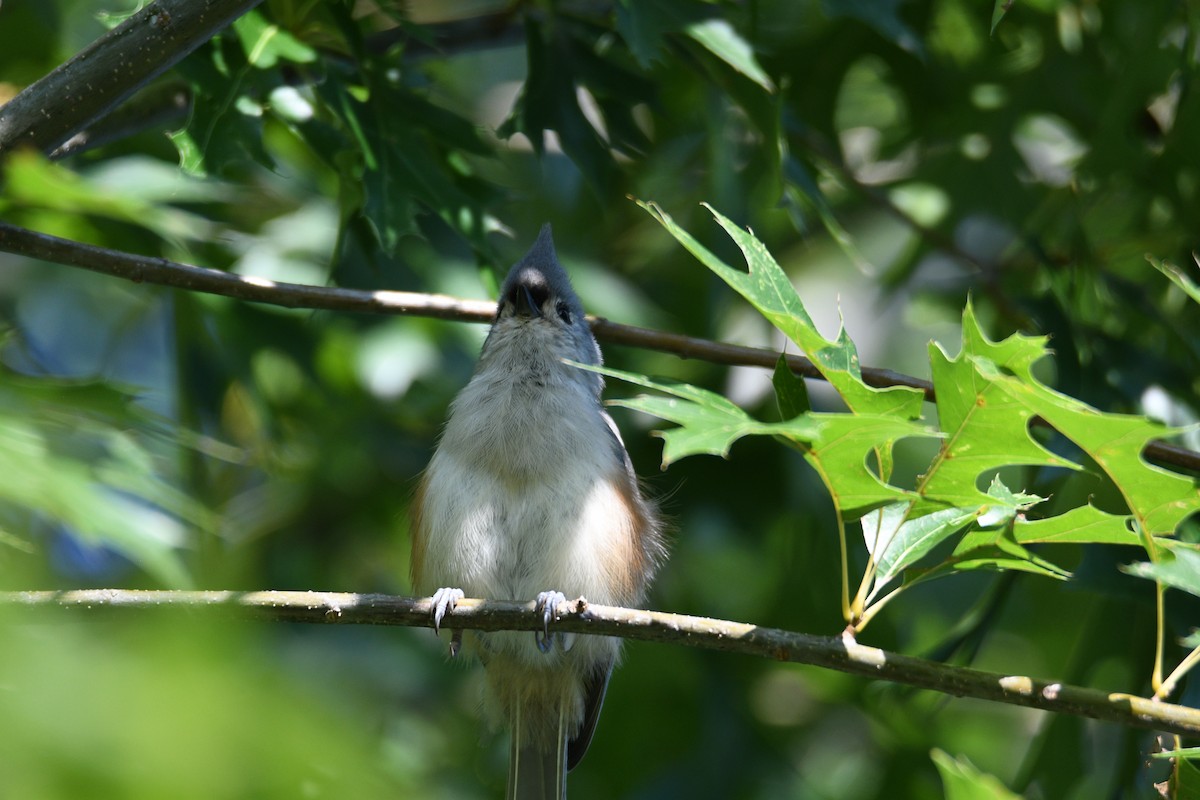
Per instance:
x=160, y=271
x=48, y=112
x=579, y=616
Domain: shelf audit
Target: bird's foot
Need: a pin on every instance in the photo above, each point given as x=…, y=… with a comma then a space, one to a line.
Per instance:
x=547, y=605
x=444, y=601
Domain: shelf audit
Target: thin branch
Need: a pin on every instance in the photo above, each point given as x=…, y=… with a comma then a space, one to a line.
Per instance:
x=579, y=616
x=97, y=79
x=160, y=271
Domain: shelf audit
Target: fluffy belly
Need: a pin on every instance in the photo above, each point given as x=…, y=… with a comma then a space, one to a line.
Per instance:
x=498, y=540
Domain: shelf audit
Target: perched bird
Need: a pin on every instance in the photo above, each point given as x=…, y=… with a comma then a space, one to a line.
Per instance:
x=531, y=494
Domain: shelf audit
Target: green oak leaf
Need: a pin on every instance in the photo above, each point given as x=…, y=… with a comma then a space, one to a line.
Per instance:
x=986, y=428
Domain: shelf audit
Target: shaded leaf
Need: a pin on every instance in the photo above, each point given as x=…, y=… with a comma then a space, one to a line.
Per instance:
x=33, y=180
x=643, y=26
x=905, y=541
x=811, y=195
x=1186, y=780
x=70, y=454
x=997, y=549
x=999, y=9
x=1178, y=566
x=791, y=393
x=549, y=102
x=1178, y=277
x=882, y=15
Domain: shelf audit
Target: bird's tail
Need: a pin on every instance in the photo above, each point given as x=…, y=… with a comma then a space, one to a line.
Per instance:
x=537, y=769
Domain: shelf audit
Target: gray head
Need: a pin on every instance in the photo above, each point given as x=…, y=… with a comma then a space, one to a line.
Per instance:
x=537, y=296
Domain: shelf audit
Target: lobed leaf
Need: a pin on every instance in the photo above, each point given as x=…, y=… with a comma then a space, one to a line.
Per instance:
x=986, y=428
x=836, y=445
x=769, y=289
x=1080, y=525
x=1158, y=498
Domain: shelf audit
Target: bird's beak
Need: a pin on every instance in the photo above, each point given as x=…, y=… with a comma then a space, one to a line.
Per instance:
x=526, y=304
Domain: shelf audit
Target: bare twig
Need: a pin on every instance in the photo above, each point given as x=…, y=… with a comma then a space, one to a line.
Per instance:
x=579, y=616
x=160, y=271
x=144, y=269
x=110, y=69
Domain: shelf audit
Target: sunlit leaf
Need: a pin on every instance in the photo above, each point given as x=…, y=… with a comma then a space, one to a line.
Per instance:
x=1159, y=499
x=1182, y=752
x=836, y=445
x=722, y=40
x=1080, y=525
x=841, y=454
x=708, y=423
x=266, y=44
x=1005, y=505
x=986, y=428
x=768, y=288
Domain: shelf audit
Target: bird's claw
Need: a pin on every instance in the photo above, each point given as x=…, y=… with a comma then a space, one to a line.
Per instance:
x=547, y=605
x=444, y=601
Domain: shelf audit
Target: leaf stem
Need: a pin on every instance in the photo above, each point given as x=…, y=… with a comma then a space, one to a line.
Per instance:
x=848, y=613
x=1168, y=686
x=869, y=613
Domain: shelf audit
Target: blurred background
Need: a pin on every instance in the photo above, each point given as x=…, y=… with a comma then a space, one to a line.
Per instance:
x=896, y=157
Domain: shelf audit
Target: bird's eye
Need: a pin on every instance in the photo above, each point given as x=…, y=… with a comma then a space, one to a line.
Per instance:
x=564, y=311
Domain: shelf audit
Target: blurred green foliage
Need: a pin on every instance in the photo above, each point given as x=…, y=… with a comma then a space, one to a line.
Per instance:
x=894, y=157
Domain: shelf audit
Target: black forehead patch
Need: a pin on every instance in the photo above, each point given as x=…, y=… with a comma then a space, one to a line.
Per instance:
x=527, y=279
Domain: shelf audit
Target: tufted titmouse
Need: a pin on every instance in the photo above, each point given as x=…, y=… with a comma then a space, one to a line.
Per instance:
x=531, y=494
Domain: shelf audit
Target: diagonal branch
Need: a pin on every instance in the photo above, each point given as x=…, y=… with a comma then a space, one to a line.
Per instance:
x=48, y=112
x=160, y=271
x=579, y=616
